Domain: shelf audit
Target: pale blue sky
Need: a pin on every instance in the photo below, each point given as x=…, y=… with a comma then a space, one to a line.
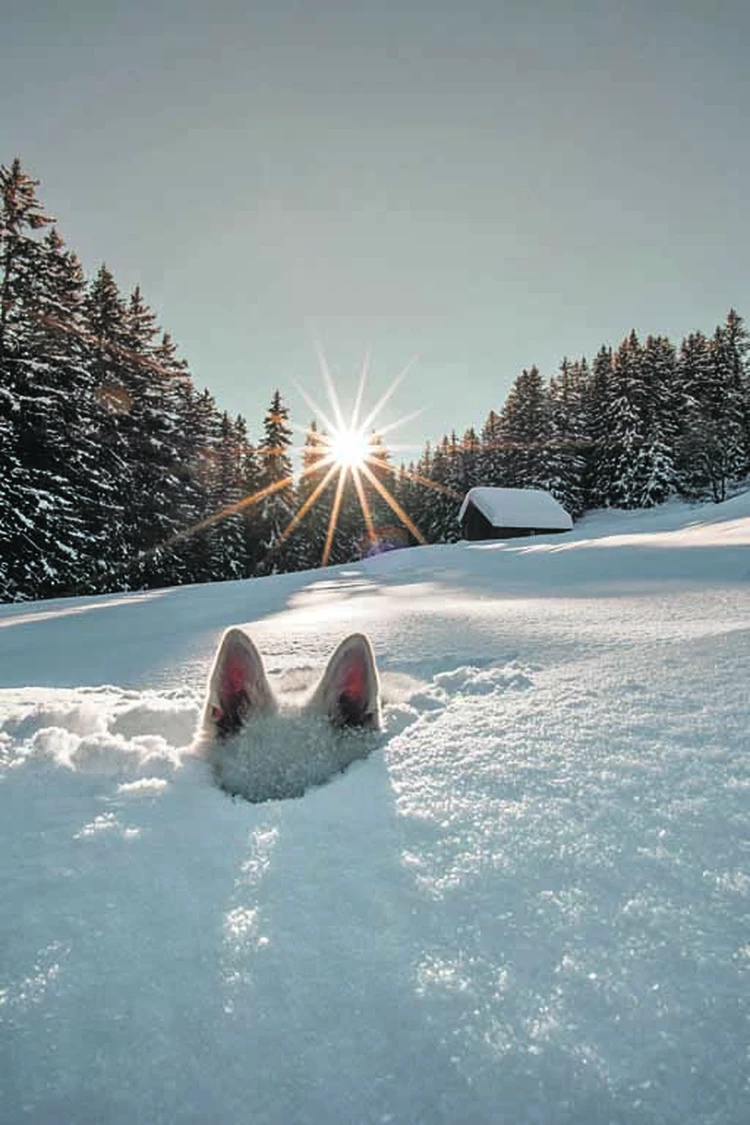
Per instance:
x=486, y=185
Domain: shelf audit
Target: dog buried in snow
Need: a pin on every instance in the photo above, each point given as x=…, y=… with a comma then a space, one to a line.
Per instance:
x=260, y=751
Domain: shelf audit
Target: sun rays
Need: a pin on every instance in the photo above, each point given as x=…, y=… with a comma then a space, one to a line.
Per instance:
x=354, y=451
x=347, y=448
x=343, y=451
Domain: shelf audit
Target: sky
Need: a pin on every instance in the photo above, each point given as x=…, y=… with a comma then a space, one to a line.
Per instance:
x=481, y=186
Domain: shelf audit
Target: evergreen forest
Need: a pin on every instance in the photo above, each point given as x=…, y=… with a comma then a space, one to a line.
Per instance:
x=116, y=473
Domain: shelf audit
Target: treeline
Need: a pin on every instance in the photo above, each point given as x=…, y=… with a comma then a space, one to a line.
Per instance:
x=638, y=424
x=116, y=473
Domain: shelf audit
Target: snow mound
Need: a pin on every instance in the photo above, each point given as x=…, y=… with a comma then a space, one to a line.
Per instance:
x=100, y=730
x=528, y=902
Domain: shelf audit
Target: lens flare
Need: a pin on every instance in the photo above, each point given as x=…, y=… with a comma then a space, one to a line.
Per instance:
x=349, y=448
x=350, y=451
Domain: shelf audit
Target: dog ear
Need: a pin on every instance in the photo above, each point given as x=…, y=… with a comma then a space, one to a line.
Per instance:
x=349, y=691
x=237, y=687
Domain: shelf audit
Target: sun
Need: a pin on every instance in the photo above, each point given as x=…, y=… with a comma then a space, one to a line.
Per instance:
x=349, y=448
x=345, y=453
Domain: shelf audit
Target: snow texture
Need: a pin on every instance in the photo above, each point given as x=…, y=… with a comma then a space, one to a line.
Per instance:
x=518, y=507
x=528, y=903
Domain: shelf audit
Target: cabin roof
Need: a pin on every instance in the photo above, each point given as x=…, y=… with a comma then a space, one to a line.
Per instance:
x=518, y=507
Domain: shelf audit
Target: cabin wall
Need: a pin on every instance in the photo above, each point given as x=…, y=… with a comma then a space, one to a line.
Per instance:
x=475, y=526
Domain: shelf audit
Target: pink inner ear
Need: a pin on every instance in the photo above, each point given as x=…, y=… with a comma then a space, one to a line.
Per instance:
x=235, y=675
x=353, y=681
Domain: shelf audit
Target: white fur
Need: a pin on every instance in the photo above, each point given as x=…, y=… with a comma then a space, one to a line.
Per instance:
x=262, y=751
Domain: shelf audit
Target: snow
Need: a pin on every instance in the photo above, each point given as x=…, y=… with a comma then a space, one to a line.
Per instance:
x=518, y=507
x=530, y=902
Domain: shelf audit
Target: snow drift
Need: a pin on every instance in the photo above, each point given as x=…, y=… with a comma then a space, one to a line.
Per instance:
x=530, y=902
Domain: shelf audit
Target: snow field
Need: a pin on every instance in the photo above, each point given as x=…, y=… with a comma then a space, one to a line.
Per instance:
x=529, y=903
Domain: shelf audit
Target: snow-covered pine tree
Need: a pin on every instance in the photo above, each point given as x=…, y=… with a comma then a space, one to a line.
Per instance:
x=444, y=502
x=565, y=460
x=492, y=469
x=308, y=538
x=200, y=426
x=148, y=428
x=188, y=495
x=422, y=497
x=154, y=380
x=728, y=405
x=525, y=431
x=21, y=216
x=60, y=422
x=249, y=477
x=39, y=392
x=9, y=471
x=656, y=467
x=598, y=470
x=379, y=464
x=435, y=510
x=349, y=532
x=406, y=491
x=276, y=509
x=692, y=380
x=105, y=326
x=470, y=455
x=228, y=532
x=712, y=449
x=736, y=344
x=624, y=412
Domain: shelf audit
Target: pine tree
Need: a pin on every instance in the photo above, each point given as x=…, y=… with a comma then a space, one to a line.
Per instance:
x=407, y=491
x=624, y=408
x=492, y=467
x=565, y=461
x=228, y=532
x=423, y=499
x=10, y=472
x=379, y=464
x=40, y=392
x=249, y=480
x=154, y=446
x=199, y=423
x=595, y=402
x=525, y=431
x=431, y=466
x=276, y=509
x=309, y=538
x=470, y=460
x=438, y=520
x=62, y=417
x=188, y=502
x=712, y=446
x=349, y=529
x=729, y=405
x=20, y=256
x=656, y=479
x=105, y=327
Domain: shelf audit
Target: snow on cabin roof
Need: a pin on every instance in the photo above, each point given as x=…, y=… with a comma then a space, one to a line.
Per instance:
x=518, y=507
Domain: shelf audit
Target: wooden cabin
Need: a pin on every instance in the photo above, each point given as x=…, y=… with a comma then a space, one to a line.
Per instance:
x=507, y=513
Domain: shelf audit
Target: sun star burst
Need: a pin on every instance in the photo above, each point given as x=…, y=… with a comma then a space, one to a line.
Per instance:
x=349, y=448
x=348, y=452
x=353, y=452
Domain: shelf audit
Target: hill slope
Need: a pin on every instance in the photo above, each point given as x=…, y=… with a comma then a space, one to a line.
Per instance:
x=530, y=903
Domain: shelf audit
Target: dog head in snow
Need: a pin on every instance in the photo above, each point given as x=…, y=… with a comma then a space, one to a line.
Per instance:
x=348, y=694
x=261, y=751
